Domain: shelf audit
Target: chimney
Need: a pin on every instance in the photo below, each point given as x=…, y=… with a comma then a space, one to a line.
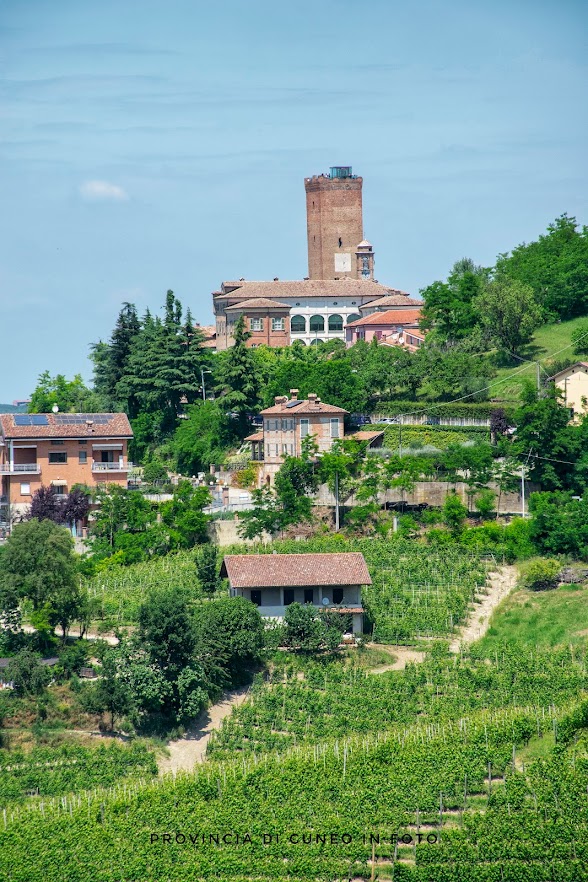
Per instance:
x=312, y=398
x=294, y=394
x=281, y=399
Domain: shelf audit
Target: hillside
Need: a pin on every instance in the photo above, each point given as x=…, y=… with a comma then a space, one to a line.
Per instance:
x=550, y=342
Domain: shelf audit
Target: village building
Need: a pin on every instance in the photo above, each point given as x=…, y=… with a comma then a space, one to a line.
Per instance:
x=573, y=384
x=285, y=426
x=274, y=581
x=391, y=326
x=340, y=282
x=60, y=450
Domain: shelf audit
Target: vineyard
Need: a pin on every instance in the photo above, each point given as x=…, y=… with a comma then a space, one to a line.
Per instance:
x=430, y=436
x=440, y=803
x=48, y=771
x=118, y=592
x=307, y=701
x=416, y=592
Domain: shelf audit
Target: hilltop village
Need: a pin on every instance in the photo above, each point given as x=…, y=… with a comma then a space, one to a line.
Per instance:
x=313, y=577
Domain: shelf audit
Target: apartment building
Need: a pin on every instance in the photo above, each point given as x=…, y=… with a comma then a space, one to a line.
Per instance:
x=285, y=426
x=60, y=450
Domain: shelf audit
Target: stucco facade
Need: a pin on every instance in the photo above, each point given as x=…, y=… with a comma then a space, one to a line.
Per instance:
x=61, y=454
x=573, y=384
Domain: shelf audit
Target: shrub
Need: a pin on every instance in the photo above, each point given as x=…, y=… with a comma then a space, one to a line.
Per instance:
x=541, y=574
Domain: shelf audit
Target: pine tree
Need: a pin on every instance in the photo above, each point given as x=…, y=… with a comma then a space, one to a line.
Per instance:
x=239, y=379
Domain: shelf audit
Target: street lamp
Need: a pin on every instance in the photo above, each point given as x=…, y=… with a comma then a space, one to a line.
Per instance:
x=202, y=372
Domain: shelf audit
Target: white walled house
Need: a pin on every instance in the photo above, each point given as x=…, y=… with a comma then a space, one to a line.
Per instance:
x=274, y=581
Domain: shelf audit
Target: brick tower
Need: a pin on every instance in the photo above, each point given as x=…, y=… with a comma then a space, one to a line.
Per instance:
x=335, y=227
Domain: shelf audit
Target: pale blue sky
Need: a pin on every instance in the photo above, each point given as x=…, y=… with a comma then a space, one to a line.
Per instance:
x=150, y=145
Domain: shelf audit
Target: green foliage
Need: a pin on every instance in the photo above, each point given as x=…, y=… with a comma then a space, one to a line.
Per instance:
x=556, y=268
x=449, y=307
x=166, y=630
x=542, y=429
x=288, y=502
x=485, y=503
x=580, y=339
x=154, y=470
x=508, y=312
x=559, y=524
x=540, y=574
x=454, y=513
x=207, y=568
x=38, y=563
x=69, y=395
x=239, y=379
x=307, y=630
x=203, y=438
x=27, y=674
x=236, y=629
x=184, y=516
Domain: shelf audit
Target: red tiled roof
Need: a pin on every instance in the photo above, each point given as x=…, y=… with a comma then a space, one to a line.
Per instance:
x=94, y=425
x=306, y=288
x=303, y=407
x=257, y=436
x=390, y=317
x=259, y=303
x=290, y=570
x=365, y=436
x=398, y=298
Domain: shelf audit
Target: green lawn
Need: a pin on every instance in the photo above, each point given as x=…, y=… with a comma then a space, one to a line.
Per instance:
x=547, y=342
x=546, y=619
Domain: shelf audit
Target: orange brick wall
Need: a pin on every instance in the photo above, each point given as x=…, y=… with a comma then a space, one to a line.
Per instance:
x=333, y=212
x=72, y=471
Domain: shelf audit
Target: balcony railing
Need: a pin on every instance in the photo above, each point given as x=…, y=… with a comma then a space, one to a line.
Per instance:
x=110, y=467
x=20, y=468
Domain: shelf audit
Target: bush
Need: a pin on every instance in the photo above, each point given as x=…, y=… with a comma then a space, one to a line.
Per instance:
x=541, y=574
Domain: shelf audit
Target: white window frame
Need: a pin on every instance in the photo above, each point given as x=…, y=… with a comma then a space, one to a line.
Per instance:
x=278, y=324
x=26, y=492
x=335, y=422
x=304, y=428
x=256, y=324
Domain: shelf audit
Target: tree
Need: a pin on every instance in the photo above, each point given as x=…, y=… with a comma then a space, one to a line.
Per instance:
x=203, y=438
x=112, y=693
x=559, y=524
x=236, y=627
x=544, y=438
x=38, y=563
x=68, y=395
x=111, y=359
x=307, y=630
x=454, y=514
x=508, y=311
x=184, y=515
x=76, y=506
x=238, y=379
x=166, y=631
x=119, y=511
x=46, y=505
x=485, y=503
x=207, y=568
x=27, y=674
x=449, y=306
x=556, y=268
x=580, y=339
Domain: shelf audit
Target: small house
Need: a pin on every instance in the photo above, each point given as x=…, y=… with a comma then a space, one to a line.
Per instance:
x=274, y=581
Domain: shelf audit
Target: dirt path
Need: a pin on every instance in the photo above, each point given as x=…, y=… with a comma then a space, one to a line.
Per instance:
x=108, y=638
x=402, y=655
x=190, y=750
x=502, y=582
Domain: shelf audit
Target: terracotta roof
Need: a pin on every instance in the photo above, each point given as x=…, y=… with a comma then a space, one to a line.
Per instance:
x=303, y=407
x=259, y=303
x=62, y=425
x=366, y=436
x=390, y=317
x=285, y=570
x=398, y=298
x=257, y=436
x=365, y=288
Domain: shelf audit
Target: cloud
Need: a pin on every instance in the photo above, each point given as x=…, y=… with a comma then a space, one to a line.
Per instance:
x=99, y=190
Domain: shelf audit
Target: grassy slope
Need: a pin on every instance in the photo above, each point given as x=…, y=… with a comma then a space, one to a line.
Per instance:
x=543, y=619
x=547, y=343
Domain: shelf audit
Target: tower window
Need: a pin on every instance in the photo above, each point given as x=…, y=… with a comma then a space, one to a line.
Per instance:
x=340, y=242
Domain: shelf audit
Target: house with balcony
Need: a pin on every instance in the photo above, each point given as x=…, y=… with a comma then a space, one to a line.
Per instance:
x=285, y=426
x=273, y=581
x=60, y=450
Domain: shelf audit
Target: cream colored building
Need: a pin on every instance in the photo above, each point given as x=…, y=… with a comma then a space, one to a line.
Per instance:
x=573, y=383
x=285, y=426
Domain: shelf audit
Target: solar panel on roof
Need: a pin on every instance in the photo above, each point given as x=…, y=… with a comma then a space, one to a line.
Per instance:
x=30, y=419
x=293, y=403
x=80, y=419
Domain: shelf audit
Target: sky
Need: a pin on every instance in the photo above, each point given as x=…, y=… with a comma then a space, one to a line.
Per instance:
x=147, y=145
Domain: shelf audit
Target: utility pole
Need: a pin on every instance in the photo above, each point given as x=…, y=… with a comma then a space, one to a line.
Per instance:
x=337, y=502
x=523, y=488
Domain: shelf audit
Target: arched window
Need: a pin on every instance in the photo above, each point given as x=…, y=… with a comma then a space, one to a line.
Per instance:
x=298, y=324
x=316, y=341
x=354, y=317
x=335, y=323
x=317, y=323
